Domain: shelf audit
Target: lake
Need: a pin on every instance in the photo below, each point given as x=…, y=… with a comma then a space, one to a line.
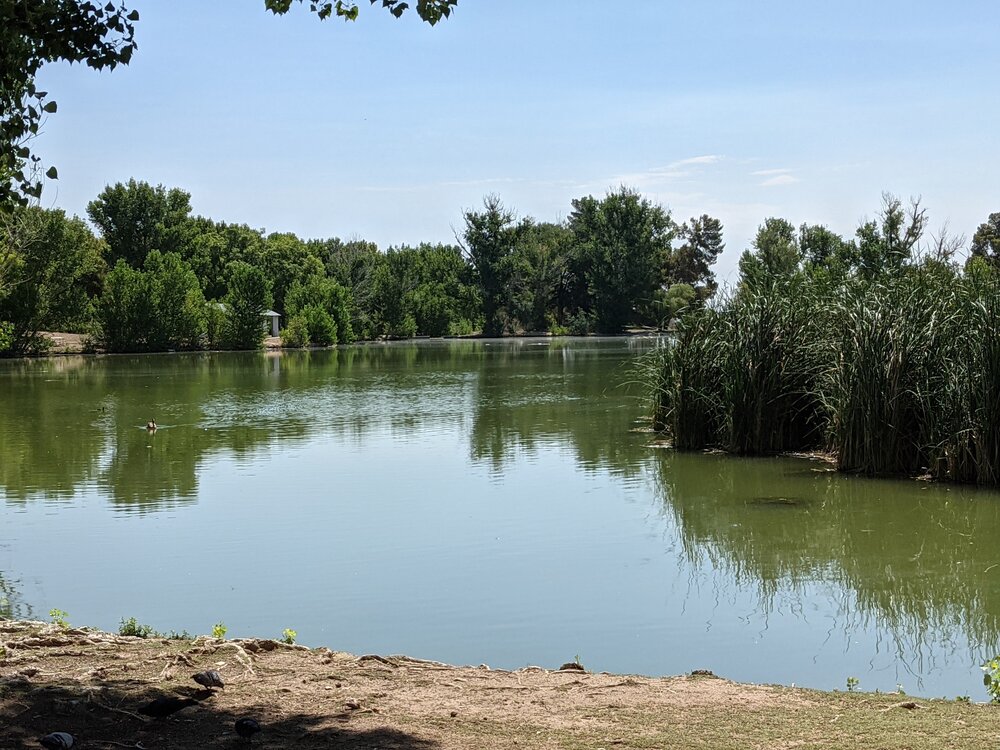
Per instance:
x=474, y=502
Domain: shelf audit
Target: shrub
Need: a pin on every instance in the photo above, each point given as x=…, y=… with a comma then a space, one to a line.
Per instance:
x=320, y=325
x=295, y=335
x=131, y=627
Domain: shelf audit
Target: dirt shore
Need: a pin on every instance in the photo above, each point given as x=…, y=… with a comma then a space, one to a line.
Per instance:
x=72, y=343
x=92, y=684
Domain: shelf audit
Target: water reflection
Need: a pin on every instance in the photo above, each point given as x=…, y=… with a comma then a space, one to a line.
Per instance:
x=75, y=421
x=466, y=468
x=918, y=560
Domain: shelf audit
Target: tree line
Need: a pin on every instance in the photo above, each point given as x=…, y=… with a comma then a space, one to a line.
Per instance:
x=148, y=275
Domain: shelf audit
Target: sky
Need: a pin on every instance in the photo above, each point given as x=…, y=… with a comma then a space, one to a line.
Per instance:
x=387, y=129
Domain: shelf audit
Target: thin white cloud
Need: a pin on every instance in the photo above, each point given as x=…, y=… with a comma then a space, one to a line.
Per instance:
x=654, y=176
x=706, y=159
x=768, y=172
x=781, y=179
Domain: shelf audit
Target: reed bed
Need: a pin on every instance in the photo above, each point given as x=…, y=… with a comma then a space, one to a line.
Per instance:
x=897, y=374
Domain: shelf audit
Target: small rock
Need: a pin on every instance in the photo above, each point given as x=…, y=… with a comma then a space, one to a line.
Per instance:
x=454, y=714
x=353, y=704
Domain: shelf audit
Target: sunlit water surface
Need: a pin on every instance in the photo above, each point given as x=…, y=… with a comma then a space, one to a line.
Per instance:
x=474, y=502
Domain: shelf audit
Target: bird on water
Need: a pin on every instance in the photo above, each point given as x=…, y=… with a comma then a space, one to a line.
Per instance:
x=247, y=728
x=151, y=425
x=166, y=705
x=57, y=741
x=210, y=678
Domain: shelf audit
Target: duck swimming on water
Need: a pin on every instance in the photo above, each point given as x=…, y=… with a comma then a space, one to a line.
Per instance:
x=151, y=425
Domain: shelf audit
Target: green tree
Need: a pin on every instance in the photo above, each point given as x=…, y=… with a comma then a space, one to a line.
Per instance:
x=54, y=264
x=126, y=311
x=691, y=263
x=286, y=260
x=155, y=308
x=394, y=280
x=178, y=301
x=295, y=334
x=31, y=35
x=624, y=240
x=540, y=276
x=489, y=240
x=986, y=240
x=439, y=296
x=887, y=243
x=136, y=218
x=320, y=293
x=775, y=253
x=319, y=324
x=209, y=247
x=352, y=264
x=248, y=297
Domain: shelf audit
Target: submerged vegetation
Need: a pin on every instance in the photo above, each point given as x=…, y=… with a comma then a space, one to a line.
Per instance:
x=883, y=351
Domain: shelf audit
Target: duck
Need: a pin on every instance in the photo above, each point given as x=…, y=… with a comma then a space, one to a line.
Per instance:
x=151, y=425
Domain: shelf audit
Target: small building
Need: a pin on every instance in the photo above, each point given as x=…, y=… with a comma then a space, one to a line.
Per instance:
x=270, y=321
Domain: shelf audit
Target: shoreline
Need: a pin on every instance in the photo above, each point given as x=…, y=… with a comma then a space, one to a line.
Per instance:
x=66, y=344
x=92, y=683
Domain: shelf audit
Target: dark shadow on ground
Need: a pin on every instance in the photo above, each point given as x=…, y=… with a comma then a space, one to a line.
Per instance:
x=104, y=715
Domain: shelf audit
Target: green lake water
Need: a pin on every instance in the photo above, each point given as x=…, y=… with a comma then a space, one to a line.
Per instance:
x=475, y=502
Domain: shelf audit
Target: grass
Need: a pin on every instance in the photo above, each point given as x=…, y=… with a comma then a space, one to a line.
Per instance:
x=897, y=374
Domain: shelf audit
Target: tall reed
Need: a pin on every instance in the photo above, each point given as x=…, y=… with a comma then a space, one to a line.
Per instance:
x=897, y=374
x=687, y=385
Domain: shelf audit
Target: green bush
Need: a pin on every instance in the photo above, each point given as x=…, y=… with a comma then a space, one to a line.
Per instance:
x=320, y=325
x=215, y=325
x=579, y=324
x=295, y=335
x=131, y=627
x=462, y=327
x=406, y=329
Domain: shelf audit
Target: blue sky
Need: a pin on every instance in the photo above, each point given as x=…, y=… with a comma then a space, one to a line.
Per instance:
x=387, y=129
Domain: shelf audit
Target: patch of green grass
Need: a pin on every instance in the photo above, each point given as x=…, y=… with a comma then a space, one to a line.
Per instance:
x=60, y=617
x=131, y=627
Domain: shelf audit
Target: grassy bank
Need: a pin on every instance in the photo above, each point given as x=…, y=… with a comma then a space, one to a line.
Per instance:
x=91, y=684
